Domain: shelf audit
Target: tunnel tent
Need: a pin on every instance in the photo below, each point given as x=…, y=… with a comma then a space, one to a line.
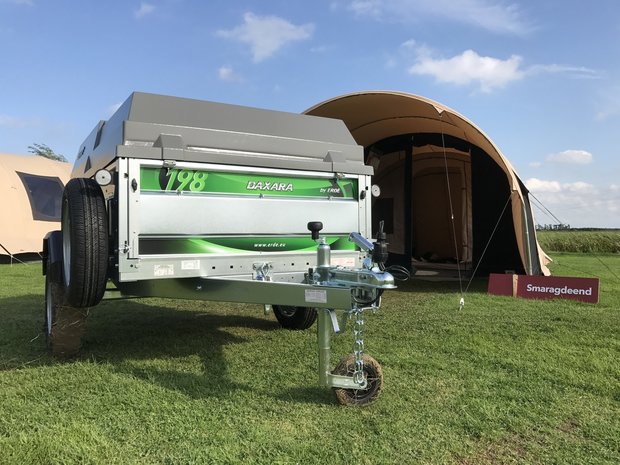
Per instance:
x=449, y=198
x=30, y=202
x=428, y=192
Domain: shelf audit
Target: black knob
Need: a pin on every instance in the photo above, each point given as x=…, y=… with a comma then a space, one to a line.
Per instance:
x=380, y=251
x=314, y=227
x=381, y=236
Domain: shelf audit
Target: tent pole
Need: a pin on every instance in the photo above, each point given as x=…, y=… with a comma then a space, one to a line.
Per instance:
x=526, y=233
x=408, y=203
x=449, y=191
x=11, y=256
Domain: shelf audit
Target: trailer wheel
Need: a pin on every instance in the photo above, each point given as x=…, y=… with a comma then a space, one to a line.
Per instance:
x=84, y=242
x=64, y=325
x=296, y=318
x=374, y=379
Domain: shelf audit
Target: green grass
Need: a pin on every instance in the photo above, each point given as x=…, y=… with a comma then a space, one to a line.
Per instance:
x=504, y=381
x=577, y=241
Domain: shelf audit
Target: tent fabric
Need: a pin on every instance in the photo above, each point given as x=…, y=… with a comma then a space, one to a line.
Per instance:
x=30, y=201
x=375, y=116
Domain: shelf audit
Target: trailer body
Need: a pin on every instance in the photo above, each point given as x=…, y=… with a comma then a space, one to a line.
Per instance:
x=207, y=189
x=201, y=200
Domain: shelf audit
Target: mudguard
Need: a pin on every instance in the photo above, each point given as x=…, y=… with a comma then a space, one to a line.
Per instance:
x=52, y=251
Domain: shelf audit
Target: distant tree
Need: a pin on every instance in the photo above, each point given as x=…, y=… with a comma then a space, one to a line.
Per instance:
x=43, y=150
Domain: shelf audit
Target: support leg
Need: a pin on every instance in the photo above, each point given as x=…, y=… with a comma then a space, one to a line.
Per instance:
x=324, y=342
x=326, y=377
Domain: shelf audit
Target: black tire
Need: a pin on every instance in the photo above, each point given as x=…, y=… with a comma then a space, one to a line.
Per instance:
x=295, y=318
x=64, y=325
x=84, y=242
x=374, y=379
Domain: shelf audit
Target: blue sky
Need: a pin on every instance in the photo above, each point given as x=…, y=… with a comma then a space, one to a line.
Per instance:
x=540, y=78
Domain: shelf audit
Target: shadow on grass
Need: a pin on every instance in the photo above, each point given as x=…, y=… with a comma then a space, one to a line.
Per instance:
x=169, y=343
x=22, y=341
x=442, y=287
x=308, y=395
x=153, y=343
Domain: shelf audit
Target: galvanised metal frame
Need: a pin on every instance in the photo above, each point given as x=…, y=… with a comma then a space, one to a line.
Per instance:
x=232, y=275
x=287, y=266
x=159, y=131
x=327, y=297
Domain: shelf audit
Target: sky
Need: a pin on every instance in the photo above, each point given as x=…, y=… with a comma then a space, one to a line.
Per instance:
x=540, y=78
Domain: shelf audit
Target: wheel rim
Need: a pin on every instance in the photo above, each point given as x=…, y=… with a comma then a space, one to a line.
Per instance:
x=372, y=383
x=66, y=242
x=288, y=311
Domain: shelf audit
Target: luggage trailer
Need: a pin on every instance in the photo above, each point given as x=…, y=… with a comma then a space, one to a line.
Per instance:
x=189, y=199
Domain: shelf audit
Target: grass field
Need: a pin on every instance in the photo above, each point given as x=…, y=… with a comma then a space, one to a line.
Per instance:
x=578, y=241
x=503, y=381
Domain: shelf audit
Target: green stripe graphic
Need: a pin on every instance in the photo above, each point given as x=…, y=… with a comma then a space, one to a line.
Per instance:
x=237, y=245
x=215, y=182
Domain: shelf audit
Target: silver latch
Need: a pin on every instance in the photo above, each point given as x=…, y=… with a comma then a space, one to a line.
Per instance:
x=169, y=164
x=262, y=271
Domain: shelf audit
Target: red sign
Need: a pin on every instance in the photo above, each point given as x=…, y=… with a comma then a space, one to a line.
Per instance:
x=545, y=287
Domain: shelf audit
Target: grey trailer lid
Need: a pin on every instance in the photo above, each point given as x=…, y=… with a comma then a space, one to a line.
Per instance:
x=172, y=128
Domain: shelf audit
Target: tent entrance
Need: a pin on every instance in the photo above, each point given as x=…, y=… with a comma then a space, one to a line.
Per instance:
x=394, y=128
x=421, y=188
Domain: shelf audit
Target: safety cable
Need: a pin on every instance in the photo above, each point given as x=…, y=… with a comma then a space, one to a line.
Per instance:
x=488, y=242
x=399, y=272
x=365, y=303
x=608, y=267
x=580, y=270
x=544, y=208
x=456, y=247
x=13, y=257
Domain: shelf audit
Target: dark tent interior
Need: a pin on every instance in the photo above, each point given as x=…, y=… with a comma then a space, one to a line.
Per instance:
x=450, y=202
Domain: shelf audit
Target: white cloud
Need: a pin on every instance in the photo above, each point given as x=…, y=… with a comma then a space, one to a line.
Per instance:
x=554, y=187
x=368, y=7
x=539, y=185
x=492, y=15
x=571, y=157
x=266, y=34
x=20, y=2
x=469, y=67
x=578, y=203
x=226, y=73
x=578, y=72
x=488, y=73
x=411, y=43
x=535, y=164
x=14, y=122
x=144, y=10
x=579, y=187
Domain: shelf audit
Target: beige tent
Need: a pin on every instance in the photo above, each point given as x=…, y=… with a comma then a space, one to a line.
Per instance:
x=30, y=201
x=448, y=195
